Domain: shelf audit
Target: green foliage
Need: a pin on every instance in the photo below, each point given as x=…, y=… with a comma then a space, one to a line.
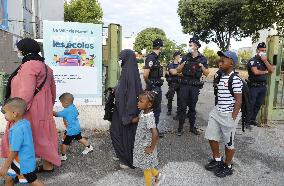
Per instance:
x=84, y=11
x=260, y=14
x=220, y=20
x=244, y=56
x=212, y=20
x=211, y=56
x=145, y=38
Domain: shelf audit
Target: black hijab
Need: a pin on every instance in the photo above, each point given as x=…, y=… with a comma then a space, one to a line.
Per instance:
x=30, y=49
x=128, y=88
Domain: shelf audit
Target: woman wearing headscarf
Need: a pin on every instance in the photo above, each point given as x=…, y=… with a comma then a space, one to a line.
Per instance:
x=33, y=81
x=122, y=130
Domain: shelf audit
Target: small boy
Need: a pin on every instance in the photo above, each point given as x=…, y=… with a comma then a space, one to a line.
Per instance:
x=225, y=116
x=20, y=165
x=73, y=131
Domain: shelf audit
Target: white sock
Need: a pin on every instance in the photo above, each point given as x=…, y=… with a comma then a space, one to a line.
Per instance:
x=218, y=159
x=229, y=166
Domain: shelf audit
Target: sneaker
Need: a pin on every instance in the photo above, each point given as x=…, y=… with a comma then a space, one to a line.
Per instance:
x=169, y=113
x=161, y=135
x=63, y=158
x=115, y=158
x=123, y=166
x=159, y=179
x=87, y=150
x=194, y=131
x=224, y=171
x=213, y=165
x=179, y=133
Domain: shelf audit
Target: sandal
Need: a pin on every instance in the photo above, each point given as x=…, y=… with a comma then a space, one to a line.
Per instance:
x=40, y=169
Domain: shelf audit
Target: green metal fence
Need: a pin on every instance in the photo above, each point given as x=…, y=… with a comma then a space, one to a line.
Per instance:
x=3, y=83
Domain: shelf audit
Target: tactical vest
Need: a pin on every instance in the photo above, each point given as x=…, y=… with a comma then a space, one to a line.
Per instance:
x=192, y=70
x=260, y=66
x=156, y=71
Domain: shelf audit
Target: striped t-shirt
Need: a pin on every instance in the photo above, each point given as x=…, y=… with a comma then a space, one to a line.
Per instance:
x=226, y=101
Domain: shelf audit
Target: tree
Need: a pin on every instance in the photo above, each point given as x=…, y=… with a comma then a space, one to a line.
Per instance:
x=244, y=56
x=260, y=14
x=212, y=20
x=220, y=20
x=211, y=56
x=84, y=11
x=145, y=38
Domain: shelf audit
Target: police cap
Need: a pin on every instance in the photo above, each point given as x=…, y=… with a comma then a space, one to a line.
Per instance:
x=261, y=45
x=158, y=43
x=176, y=54
x=195, y=40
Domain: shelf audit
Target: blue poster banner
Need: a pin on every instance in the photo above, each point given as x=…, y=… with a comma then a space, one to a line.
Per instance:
x=74, y=52
x=3, y=15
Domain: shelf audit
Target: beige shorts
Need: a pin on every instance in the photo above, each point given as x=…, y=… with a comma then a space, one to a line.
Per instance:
x=222, y=125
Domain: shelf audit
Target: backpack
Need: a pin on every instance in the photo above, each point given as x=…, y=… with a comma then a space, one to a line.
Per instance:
x=246, y=106
x=109, y=104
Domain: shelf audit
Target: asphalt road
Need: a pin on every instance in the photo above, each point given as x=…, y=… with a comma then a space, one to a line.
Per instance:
x=259, y=158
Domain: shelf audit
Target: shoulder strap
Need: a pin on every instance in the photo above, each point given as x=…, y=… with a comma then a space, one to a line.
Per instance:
x=42, y=84
x=230, y=83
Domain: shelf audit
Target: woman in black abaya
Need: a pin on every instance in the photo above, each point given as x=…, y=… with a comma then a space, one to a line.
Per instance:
x=122, y=130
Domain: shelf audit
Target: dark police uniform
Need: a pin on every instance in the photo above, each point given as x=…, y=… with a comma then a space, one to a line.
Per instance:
x=155, y=82
x=190, y=88
x=174, y=86
x=257, y=86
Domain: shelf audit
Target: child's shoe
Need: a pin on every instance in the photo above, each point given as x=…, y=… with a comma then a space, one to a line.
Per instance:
x=63, y=158
x=159, y=179
x=88, y=149
x=115, y=158
x=123, y=166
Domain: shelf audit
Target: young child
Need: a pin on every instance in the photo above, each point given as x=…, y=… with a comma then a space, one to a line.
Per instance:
x=73, y=130
x=224, y=118
x=146, y=138
x=20, y=165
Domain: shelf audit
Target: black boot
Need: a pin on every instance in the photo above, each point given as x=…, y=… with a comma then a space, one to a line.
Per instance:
x=180, y=127
x=169, y=113
x=194, y=130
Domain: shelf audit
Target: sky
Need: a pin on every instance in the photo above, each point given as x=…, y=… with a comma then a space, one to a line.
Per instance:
x=136, y=15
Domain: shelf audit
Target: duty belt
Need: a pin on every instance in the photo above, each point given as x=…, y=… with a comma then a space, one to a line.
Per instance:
x=256, y=84
x=192, y=82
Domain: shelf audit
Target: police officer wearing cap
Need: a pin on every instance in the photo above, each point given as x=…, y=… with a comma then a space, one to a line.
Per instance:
x=258, y=69
x=192, y=67
x=153, y=73
x=173, y=82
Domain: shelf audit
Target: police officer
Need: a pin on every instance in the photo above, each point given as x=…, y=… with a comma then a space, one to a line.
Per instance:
x=258, y=69
x=153, y=73
x=192, y=66
x=173, y=82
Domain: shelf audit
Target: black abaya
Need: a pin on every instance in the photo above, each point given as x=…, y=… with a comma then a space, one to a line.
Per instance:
x=122, y=131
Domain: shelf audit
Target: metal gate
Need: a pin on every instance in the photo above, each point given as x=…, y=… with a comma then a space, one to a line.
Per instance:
x=273, y=110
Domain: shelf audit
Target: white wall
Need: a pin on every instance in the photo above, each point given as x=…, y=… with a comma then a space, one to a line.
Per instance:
x=263, y=34
x=51, y=10
x=128, y=42
x=15, y=12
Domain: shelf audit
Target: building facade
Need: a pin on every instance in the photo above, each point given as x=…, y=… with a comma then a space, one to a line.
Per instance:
x=23, y=18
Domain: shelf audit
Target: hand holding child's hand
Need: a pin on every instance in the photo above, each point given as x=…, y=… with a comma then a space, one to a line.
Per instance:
x=135, y=120
x=148, y=150
x=3, y=172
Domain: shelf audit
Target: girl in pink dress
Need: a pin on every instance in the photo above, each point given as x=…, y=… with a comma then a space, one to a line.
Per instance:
x=33, y=81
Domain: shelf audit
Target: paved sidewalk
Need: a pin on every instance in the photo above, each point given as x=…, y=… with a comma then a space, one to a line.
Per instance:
x=259, y=159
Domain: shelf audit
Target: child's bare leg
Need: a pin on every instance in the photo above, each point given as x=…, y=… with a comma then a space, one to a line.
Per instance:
x=215, y=148
x=9, y=181
x=37, y=183
x=63, y=149
x=84, y=142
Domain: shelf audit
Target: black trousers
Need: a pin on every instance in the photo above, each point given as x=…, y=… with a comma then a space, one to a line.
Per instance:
x=173, y=88
x=188, y=97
